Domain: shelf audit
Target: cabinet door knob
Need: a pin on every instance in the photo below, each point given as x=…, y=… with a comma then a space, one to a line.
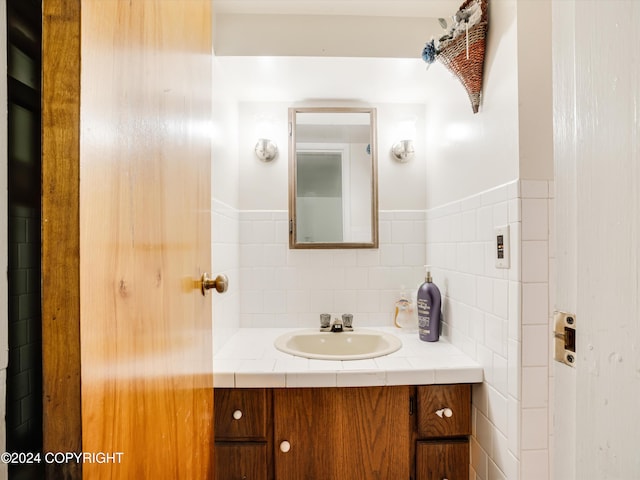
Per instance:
x=285, y=447
x=444, y=412
x=237, y=414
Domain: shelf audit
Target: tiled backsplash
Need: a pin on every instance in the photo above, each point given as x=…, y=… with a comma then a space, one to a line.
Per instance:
x=500, y=318
x=225, y=259
x=273, y=286
x=290, y=288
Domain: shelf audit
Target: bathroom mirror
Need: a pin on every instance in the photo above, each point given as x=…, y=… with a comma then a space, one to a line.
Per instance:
x=333, y=181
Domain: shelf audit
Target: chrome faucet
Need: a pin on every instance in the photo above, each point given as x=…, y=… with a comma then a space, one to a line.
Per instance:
x=337, y=325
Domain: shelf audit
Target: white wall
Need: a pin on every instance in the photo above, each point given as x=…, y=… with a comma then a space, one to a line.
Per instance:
x=306, y=35
x=225, y=219
x=282, y=287
x=264, y=186
x=500, y=318
x=535, y=96
x=486, y=170
x=468, y=153
x=4, y=261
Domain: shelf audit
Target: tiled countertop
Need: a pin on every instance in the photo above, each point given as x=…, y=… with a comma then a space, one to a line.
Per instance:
x=249, y=360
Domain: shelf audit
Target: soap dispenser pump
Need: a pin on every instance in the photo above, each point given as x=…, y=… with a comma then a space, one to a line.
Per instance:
x=429, y=304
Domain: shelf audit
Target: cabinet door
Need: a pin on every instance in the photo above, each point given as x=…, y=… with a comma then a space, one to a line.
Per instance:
x=442, y=460
x=335, y=433
x=444, y=410
x=240, y=461
x=240, y=414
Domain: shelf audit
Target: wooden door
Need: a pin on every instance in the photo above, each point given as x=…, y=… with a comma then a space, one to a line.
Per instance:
x=343, y=433
x=144, y=230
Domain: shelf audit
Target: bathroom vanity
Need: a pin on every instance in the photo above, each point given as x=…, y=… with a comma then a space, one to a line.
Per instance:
x=395, y=432
x=403, y=416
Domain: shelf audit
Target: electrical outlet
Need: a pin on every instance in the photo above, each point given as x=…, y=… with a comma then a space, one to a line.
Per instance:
x=502, y=246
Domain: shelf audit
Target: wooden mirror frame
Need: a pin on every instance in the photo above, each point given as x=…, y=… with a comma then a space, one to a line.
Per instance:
x=294, y=242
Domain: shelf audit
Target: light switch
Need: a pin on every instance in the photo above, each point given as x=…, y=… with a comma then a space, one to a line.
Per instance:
x=502, y=246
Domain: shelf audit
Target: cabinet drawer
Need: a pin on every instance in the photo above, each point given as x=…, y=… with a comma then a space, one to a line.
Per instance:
x=240, y=414
x=444, y=410
x=240, y=461
x=439, y=460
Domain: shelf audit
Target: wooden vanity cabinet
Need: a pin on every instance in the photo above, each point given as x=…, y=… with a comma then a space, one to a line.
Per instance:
x=336, y=433
x=443, y=427
x=243, y=429
x=381, y=433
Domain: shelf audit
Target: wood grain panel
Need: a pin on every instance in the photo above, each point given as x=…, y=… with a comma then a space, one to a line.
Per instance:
x=432, y=398
x=306, y=418
x=145, y=237
x=442, y=460
x=253, y=405
x=241, y=461
x=375, y=432
x=60, y=233
x=343, y=433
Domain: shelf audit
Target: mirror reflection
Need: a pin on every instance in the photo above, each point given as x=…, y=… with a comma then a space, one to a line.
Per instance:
x=333, y=200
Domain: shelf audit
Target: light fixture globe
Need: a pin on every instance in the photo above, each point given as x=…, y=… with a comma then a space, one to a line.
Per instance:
x=266, y=150
x=403, y=151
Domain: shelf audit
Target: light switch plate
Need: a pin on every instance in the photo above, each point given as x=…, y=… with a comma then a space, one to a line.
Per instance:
x=501, y=252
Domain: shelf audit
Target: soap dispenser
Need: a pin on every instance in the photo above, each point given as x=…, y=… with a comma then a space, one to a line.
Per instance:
x=404, y=316
x=429, y=314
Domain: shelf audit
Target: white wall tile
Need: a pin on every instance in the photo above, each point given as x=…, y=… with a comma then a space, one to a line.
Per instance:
x=498, y=410
x=535, y=387
x=479, y=459
x=535, y=261
x=535, y=303
x=534, y=465
x=484, y=433
x=514, y=369
x=500, y=374
x=513, y=420
x=534, y=435
x=501, y=298
x=500, y=214
x=402, y=231
x=535, y=219
x=500, y=451
x=391, y=255
x=535, y=345
x=534, y=189
x=469, y=226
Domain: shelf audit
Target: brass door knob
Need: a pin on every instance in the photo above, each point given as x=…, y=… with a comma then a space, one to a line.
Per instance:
x=220, y=283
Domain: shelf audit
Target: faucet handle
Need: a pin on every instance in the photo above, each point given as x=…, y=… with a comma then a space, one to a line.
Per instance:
x=347, y=320
x=325, y=320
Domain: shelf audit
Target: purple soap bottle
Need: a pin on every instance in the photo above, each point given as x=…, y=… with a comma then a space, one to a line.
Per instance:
x=429, y=314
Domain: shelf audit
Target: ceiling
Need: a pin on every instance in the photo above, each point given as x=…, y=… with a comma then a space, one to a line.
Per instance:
x=261, y=65
x=385, y=8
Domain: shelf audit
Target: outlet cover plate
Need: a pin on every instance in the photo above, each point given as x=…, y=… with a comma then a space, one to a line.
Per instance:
x=501, y=238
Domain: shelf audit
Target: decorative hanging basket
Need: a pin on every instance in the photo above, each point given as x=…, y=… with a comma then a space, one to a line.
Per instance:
x=464, y=54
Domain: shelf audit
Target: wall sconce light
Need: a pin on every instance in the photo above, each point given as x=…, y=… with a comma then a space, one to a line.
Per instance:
x=403, y=150
x=266, y=150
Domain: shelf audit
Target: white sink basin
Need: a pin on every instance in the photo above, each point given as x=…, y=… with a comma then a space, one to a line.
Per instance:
x=356, y=345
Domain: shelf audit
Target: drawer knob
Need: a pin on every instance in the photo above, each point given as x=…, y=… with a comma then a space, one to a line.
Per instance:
x=444, y=412
x=285, y=447
x=237, y=414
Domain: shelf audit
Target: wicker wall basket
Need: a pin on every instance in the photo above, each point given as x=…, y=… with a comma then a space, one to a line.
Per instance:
x=469, y=70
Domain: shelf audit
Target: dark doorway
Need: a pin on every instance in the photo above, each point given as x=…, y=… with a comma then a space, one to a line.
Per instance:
x=24, y=372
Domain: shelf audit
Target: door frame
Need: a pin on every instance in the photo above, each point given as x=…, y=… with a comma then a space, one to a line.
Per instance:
x=62, y=419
